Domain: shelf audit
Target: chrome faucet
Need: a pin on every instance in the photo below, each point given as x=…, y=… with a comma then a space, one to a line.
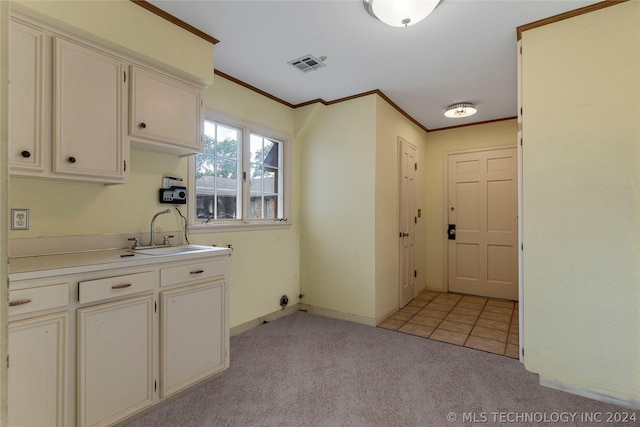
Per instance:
x=152, y=240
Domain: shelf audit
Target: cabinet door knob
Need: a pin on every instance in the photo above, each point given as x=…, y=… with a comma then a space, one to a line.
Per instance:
x=142, y=125
x=72, y=159
x=26, y=154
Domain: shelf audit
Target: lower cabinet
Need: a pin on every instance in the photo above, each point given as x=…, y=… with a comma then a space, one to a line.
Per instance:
x=96, y=348
x=192, y=335
x=37, y=374
x=115, y=360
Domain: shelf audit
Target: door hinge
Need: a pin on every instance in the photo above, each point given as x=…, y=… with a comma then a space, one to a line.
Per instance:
x=522, y=246
x=125, y=166
x=155, y=385
x=244, y=176
x=520, y=49
x=522, y=351
x=7, y=361
x=415, y=273
x=125, y=76
x=415, y=219
x=415, y=166
x=155, y=306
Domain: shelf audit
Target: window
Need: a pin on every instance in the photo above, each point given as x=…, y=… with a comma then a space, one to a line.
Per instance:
x=239, y=179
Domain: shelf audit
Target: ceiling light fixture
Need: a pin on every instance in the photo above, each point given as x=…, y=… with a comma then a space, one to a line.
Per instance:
x=459, y=110
x=400, y=13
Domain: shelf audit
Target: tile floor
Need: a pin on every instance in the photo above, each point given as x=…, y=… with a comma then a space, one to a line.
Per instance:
x=482, y=323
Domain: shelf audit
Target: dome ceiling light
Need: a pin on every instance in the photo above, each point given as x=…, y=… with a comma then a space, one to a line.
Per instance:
x=460, y=110
x=400, y=13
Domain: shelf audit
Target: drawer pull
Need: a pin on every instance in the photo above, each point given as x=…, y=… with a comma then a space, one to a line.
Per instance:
x=19, y=302
x=197, y=272
x=124, y=285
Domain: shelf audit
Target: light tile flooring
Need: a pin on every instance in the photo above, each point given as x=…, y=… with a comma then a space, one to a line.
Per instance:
x=482, y=323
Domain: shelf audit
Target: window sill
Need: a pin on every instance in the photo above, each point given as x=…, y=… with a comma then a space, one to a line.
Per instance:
x=237, y=226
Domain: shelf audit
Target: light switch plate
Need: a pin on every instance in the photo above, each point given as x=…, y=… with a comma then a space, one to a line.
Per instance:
x=19, y=219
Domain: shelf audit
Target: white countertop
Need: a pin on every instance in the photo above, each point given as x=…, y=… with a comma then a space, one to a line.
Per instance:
x=34, y=267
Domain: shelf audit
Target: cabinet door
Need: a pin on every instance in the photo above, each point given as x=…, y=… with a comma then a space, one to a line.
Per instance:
x=26, y=85
x=115, y=360
x=88, y=113
x=193, y=335
x=165, y=110
x=37, y=375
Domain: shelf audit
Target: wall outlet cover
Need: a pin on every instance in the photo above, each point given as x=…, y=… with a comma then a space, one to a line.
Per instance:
x=19, y=219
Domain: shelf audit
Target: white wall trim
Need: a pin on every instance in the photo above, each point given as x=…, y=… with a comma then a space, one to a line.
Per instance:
x=326, y=312
x=379, y=319
x=590, y=394
x=243, y=327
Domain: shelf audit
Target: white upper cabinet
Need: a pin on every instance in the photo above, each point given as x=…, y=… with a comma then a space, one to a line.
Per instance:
x=88, y=136
x=165, y=113
x=75, y=107
x=26, y=104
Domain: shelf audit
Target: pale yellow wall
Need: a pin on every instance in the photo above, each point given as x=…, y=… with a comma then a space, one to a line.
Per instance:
x=438, y=143
x=128, y=27
x=265, y=264
x=4, y=138
x=581, y=82
x=338, y=154
x=58, y=208
x=390, y=125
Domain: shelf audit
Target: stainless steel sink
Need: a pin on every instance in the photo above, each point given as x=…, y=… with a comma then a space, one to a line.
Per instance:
x=174, y=250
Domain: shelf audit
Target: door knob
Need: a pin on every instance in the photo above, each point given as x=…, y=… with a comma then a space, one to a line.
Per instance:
x=405, y=234
x=451, y=232
x=26, y=154
x=72, y=159
x=142, y=125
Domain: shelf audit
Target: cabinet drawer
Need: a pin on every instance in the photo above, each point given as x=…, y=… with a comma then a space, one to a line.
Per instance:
x=192, y=272
x=36, y=299
x=112, y=287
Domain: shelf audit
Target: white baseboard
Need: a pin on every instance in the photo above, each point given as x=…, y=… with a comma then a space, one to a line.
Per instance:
x=266, y=318
x=326, y=312
x=569, y=388
x=379, y=319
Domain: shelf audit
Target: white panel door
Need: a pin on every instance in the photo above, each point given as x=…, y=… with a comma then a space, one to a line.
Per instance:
x=408, y=165
x=115, y=360
x=483, y=206
x=193, y=335
x=37, y=371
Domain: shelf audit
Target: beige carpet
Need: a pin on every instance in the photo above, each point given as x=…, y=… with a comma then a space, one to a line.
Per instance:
x=306, y=370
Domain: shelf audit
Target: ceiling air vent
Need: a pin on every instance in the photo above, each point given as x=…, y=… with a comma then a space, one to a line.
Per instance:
x=308, y=63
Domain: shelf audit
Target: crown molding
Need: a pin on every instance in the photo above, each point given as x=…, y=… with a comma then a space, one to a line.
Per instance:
x=180, y=23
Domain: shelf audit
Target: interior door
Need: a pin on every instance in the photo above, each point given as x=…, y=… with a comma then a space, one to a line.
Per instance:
x=408, y=166
x=483, y=223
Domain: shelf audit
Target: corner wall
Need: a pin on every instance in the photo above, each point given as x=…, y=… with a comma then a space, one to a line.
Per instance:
x=391, y=124
x=581, y=132
x=338, y=155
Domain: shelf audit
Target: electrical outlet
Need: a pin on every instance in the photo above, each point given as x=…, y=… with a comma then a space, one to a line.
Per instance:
x=19, y=219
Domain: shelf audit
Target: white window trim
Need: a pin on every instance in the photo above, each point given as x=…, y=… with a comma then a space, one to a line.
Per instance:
x=244, y=224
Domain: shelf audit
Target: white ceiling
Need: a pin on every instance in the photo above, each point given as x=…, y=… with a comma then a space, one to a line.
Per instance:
x=464, y=51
